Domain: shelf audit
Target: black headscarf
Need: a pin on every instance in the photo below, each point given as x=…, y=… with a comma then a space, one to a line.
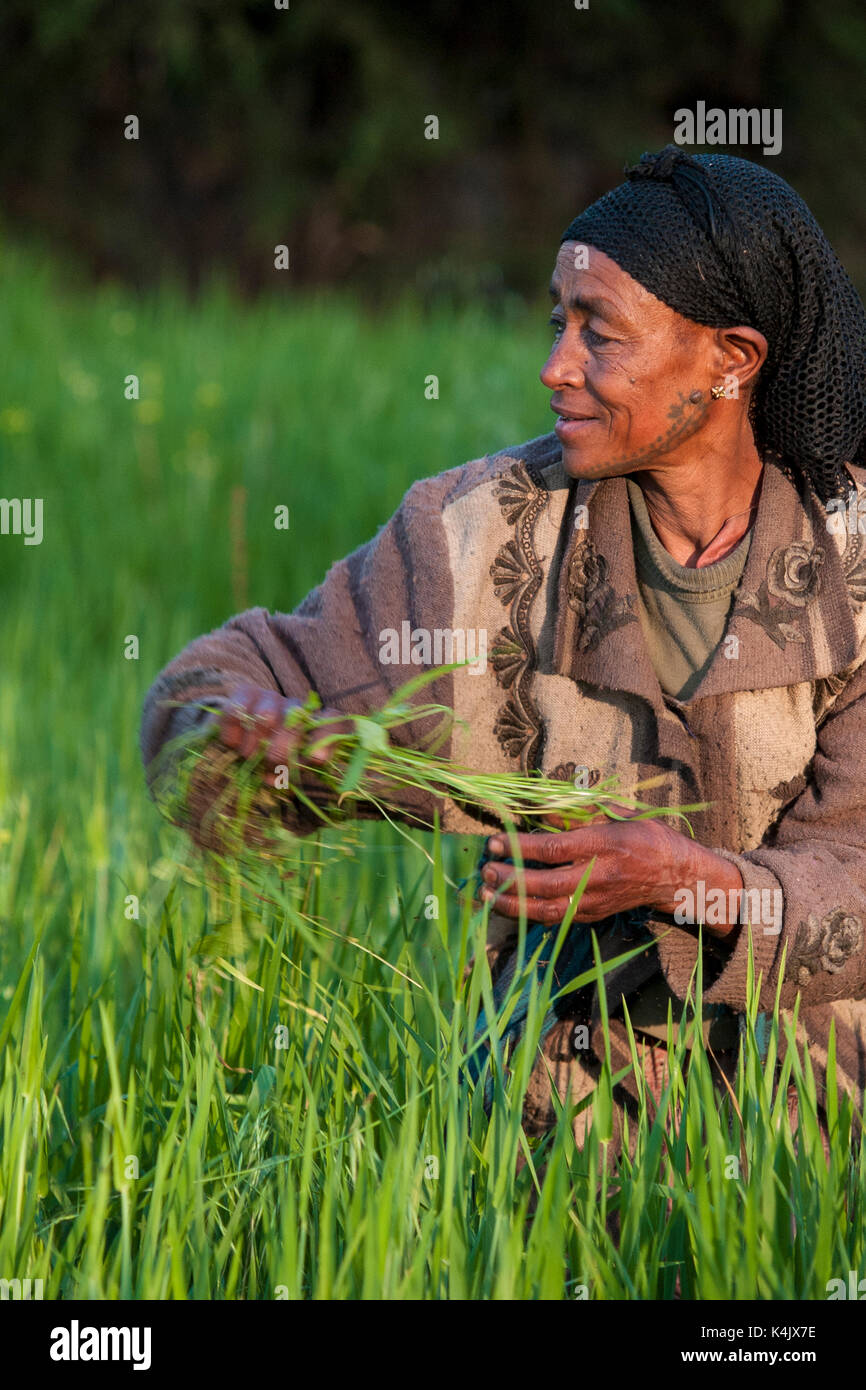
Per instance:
x=724, y=241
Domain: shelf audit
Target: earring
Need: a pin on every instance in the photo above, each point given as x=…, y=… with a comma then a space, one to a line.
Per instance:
x=717, y=392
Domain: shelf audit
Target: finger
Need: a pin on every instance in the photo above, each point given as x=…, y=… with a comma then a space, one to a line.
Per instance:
x=550, y=911
x=236, y=713
x=539, y=883
x=320, y=744
x=287, y=737
x=565, y=848
x=269, y=713
x=266, y=718
x=286, y=742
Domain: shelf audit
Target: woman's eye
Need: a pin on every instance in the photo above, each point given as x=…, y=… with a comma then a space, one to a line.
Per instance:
x=596, y=339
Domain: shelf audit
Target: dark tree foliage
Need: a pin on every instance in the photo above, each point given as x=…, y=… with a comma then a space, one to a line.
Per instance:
x=305, y=126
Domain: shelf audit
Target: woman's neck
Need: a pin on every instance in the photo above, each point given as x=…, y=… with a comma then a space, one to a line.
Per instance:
x=699, y=525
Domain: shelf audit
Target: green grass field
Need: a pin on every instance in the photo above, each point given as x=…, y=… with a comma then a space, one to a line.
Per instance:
x=213, y=1094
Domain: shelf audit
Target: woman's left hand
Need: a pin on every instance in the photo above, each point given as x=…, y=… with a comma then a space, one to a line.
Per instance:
x=634, y=866
x=638, y=863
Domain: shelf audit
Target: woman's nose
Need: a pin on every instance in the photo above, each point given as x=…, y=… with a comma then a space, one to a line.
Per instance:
x=561, y=369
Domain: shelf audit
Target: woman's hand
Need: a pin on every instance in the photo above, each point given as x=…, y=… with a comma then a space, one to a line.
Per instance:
x=254, y=721
x=638, y=863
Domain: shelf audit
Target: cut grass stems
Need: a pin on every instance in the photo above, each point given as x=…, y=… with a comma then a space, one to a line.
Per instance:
x=364, y=768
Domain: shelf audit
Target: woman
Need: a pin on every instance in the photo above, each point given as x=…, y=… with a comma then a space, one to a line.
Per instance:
x=674, y=588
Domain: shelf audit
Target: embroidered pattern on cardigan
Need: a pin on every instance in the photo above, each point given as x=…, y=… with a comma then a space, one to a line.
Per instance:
x=826, y=944
x=794, y=576
x=854, y=568
x=517, y=577
x=794, y=573
x=566, y=772
x=599, y=610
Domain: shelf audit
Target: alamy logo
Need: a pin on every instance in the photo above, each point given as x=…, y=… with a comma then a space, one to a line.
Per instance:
x=22, y=516
x=738, y=126
x=855, y=1288
x=847, y=514
x=444, y=646
x=25, y=1289
x=716, y=908
x=74, y=1343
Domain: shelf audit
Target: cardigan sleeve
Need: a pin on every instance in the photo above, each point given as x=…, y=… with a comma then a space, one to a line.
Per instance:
x=331, y=644
x=812, y=866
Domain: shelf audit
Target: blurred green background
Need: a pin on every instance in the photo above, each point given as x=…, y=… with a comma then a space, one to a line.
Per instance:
x=305, y=388
x=305, y=126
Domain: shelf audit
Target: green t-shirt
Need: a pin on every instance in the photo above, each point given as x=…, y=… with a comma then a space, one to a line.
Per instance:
x=683, y=613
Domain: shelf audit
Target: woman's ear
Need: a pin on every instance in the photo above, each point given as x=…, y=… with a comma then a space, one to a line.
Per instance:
x=742, y=354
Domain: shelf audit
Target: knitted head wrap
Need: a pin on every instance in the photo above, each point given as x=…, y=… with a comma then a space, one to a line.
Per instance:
x=724, y=241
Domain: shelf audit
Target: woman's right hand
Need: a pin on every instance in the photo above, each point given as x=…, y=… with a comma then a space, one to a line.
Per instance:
x=254, y=721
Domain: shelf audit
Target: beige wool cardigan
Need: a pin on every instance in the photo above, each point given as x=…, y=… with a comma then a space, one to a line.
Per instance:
x=774, y=737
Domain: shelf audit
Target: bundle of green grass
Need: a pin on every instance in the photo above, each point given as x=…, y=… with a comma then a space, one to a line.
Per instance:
x=367, y=774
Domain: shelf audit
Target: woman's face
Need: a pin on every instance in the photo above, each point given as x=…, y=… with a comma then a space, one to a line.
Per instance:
x=623, y=369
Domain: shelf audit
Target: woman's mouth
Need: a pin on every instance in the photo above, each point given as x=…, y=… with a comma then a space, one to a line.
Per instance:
x=570, y=427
